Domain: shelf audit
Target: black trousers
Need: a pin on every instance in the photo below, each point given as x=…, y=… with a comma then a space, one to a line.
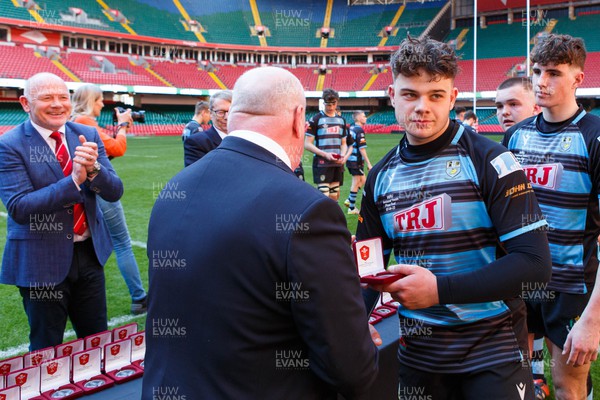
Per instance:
x=80, y=297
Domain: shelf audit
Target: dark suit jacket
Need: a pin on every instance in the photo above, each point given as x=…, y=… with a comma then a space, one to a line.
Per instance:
x=39, y=200
x=254, y=292
x=198, y=145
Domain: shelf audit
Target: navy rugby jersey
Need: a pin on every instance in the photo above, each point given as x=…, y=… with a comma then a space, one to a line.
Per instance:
x=360, y=142
x=446, y=206
x=328, y=133
x=562, y=161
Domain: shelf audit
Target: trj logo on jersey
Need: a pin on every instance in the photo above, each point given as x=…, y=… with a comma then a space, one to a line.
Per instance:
x=452, y=168
x=434, y=214
x=544, y=175
x=565, y=143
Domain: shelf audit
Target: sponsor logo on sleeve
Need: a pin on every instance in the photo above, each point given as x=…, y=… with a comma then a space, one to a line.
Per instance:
x=505, y=164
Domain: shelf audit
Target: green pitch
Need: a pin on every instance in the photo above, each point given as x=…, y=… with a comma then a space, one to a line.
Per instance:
x=148, y=165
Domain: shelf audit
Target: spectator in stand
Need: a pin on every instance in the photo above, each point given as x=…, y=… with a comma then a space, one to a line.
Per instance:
x=460, y=113
x=87, y=104
x=201, y=117
x=51, y=174
x=471, y=120
x=197, y=146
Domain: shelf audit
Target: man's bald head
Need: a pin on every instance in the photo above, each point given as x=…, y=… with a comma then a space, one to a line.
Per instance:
x=267, y=91
x=270, y=101
x=45, y=79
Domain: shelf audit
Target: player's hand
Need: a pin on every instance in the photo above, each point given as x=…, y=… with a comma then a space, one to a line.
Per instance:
x=369, y=166
x=375, y=336
x=418, y=289
x=331, y=157
x=581, y=345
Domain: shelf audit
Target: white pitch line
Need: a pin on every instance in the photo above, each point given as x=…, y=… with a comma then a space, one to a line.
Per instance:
x=135, y=243
x=23, y=348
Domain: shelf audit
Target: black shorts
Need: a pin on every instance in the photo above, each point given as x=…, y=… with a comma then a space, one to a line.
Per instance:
x=356, y=169
x=552, y=313
x=506, y=381
x=328, y=174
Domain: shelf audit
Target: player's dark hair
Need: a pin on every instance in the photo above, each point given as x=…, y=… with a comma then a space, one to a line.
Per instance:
x=436, y=58
x=330, y=95
x=470, y=115
x=559, y=49
x=200, y=106
x=459, y=110
x=510, y=82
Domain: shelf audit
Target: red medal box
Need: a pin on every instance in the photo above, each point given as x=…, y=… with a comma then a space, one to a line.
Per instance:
x=123, y=332
x=117, y=361
x=28, y=379
x=384, y=312
x=66, y=349
x=369, y=261
x=138, y=349
x=11, y=393
x=392, y=304
x=10, y=365
x=98, y=340
x=54, y=381
x=373, y=319
x=388, y=301
x=87, y=373
x=36, y=357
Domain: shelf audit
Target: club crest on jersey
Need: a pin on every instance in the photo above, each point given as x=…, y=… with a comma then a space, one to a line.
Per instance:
x=544, y=175
x=434, y=214
x=452, y=168
x=565, y=143
x=505, y=164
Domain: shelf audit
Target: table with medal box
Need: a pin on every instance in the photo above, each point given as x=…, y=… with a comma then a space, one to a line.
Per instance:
x=76, y=368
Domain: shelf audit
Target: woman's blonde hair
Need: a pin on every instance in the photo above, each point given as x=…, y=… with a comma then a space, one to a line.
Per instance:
x=84, y=99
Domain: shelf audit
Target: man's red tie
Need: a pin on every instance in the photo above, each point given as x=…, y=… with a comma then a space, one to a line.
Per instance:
x=63, y=157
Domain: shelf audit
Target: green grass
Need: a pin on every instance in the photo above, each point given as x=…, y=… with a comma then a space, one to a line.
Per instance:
x=150, y=162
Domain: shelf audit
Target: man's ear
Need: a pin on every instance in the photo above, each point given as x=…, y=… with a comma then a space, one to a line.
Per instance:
x=453, y=96
x=24, y=103
x=299, y=123
x=578, y=79
x=391, y=93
